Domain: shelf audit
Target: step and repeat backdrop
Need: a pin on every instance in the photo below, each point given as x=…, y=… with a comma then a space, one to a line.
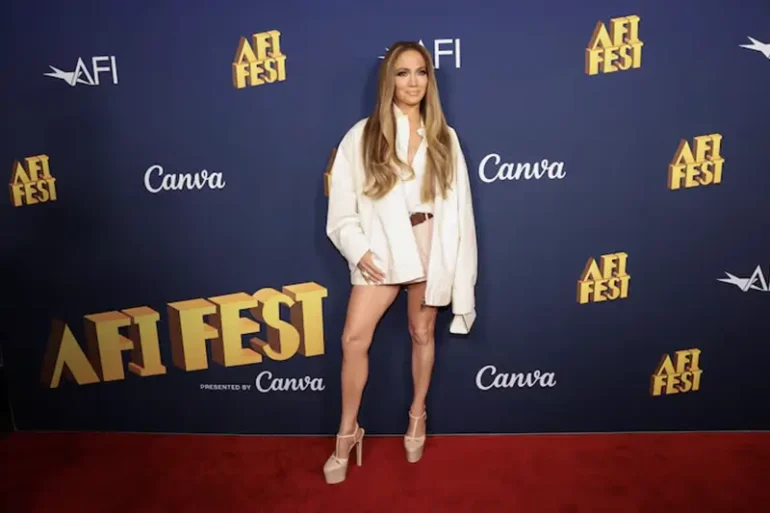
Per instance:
x=165, y=266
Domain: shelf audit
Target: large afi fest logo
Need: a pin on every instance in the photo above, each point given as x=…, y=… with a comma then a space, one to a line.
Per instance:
x=199, y=331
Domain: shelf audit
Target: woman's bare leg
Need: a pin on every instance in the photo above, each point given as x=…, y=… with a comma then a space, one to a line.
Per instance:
x=422, y=327
x=367, y=305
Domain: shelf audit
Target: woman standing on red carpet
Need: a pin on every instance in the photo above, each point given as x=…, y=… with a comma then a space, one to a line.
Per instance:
x=400, y=213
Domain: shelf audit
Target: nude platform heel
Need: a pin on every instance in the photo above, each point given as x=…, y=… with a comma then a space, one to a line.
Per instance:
x=335, y=469
x=414, y=445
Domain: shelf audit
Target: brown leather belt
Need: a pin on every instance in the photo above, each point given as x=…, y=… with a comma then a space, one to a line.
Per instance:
x=419, y=217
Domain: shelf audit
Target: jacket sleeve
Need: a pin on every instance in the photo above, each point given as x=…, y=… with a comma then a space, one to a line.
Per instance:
x=463, y=288
x=342, y=222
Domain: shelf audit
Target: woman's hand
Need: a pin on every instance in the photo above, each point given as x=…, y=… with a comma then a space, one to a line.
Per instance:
x=370, y=272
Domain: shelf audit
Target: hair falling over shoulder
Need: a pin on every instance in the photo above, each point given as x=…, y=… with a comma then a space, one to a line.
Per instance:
x=379, y=137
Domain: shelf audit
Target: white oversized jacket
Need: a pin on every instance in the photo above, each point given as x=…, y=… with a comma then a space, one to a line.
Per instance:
x=356, y=224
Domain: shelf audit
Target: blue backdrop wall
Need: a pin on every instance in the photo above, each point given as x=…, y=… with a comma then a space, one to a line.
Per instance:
x=644, y=184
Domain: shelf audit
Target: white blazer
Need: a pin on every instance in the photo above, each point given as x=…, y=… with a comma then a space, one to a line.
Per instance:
x=356, y=224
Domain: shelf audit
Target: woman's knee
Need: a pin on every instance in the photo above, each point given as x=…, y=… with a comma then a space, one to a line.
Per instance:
x=422, y=334
x=354, y=343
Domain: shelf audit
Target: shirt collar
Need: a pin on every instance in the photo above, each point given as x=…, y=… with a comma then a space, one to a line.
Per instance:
x=402, y=118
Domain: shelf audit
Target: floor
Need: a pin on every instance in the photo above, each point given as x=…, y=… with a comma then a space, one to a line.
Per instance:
x=618, y=473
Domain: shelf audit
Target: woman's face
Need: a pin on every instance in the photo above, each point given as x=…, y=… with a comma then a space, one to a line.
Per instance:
x=411, y=78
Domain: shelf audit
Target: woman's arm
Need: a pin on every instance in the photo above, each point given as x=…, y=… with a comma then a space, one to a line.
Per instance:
x=343, y=226
x=463, y=289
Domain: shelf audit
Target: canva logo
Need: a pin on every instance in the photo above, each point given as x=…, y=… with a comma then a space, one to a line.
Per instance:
x=266, y=383
x=490, y=170
x=488, y=378
x=33, y=183
x=83, y=75
x=156, y=180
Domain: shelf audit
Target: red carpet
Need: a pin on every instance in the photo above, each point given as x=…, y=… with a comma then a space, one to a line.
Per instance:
x=111, y=473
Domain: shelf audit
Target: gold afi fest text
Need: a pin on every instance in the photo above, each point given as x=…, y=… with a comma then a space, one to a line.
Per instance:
x=33, y=183
x=260, y=62
x=191, y=324
x=618, y=49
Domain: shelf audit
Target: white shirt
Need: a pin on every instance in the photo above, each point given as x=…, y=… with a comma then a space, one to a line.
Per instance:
x=412, y=186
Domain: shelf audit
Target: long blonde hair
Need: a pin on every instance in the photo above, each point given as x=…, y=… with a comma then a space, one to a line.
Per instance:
x=379, y=138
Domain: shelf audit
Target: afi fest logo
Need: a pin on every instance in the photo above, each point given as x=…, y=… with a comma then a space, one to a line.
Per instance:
x=197, y=328
x=681, y=375
x=260, y=62
x=510, y=171
x=755, y=282
x=156, y=180
x=32, y=184
x=619, y=49
x=83, y=75
x=607, y=282
x=763, y=48
x=690, y=169
x=488, y=378
x=441, y=47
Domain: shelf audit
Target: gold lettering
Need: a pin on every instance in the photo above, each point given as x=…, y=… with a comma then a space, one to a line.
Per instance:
x=143, y=333
x=259, y=63
x=618, y=49
x=191, y=324
x=605, y=283
x=18, y=174
x=683, y=374
x=704, y=167
x=227, y=348
x=600, y=38
x=282, y=338
x=34, y=184
x=244, y=53
x=306, y=316
x=260, y=42
x=189, y=333
x=64, y=357
x=105, y=343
